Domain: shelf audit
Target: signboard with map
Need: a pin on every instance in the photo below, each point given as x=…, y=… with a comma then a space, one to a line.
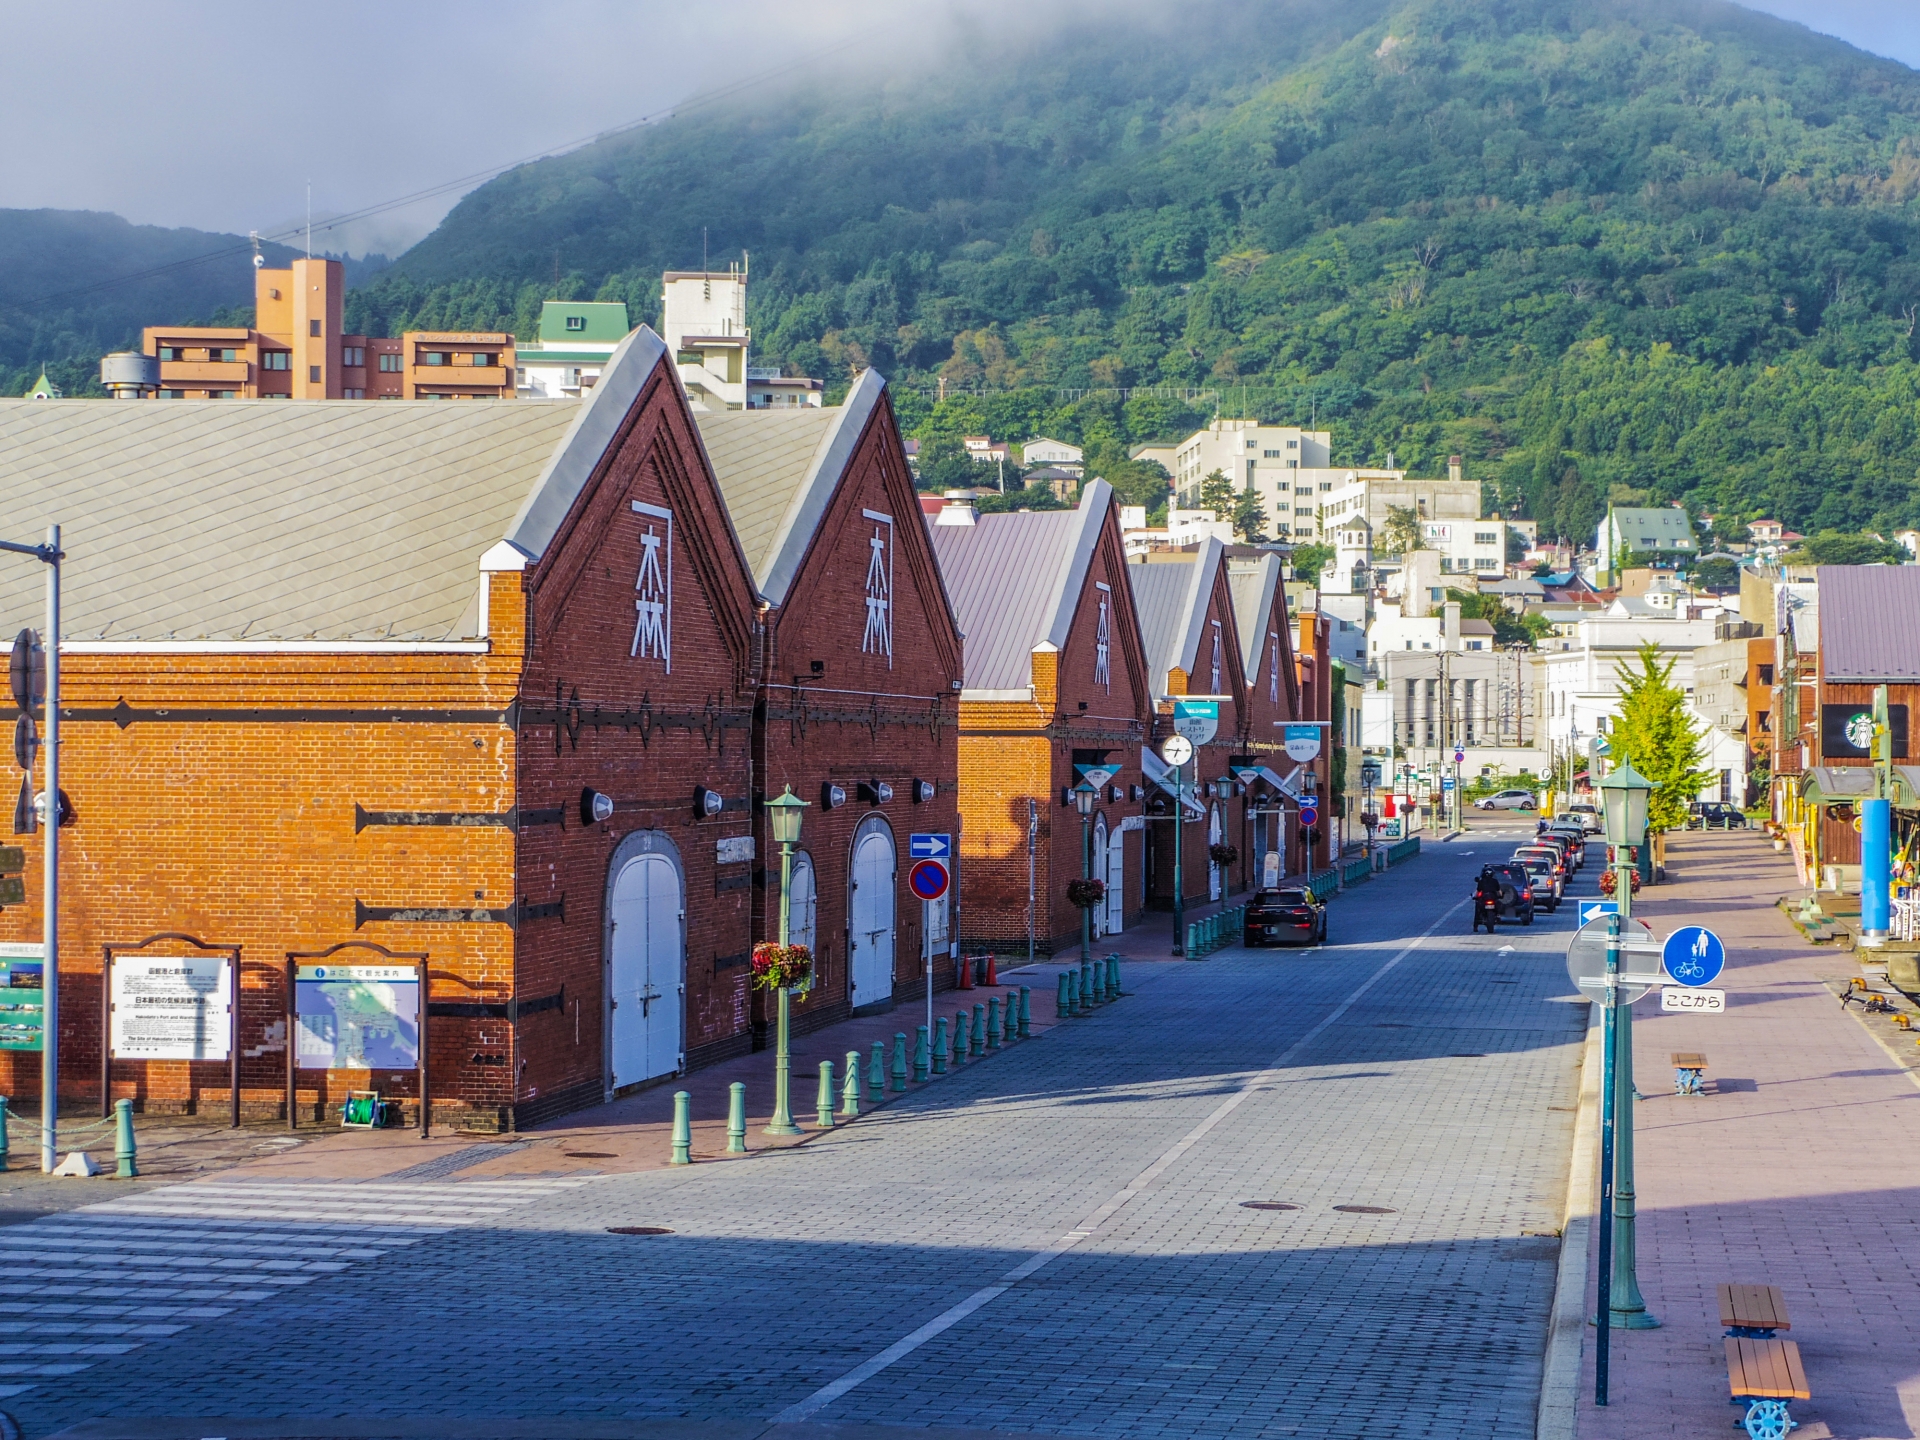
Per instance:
x=357, y=1017
x=22, y=996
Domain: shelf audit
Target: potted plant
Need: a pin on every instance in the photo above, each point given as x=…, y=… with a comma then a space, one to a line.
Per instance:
x=1222, y=854
x=780, y=967
x=1086, y=893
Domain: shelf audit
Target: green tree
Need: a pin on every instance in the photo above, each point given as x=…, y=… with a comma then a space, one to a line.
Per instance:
x=1657, y=735
x=1831, y=547
x=1216, y=494
x=1401, y=533
x=1508, y=628
x=1249, y=516
x=1310, y=560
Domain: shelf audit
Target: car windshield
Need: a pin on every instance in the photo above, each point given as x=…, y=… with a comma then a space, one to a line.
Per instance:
x=1281, y=897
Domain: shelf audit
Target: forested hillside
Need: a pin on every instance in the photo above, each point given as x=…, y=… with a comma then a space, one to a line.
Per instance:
x=1601, y=247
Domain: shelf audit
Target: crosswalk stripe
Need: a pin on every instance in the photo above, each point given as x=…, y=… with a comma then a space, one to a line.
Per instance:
x=102, y=1281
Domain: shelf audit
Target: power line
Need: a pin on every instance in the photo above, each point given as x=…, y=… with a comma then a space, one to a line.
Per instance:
x=464, y=182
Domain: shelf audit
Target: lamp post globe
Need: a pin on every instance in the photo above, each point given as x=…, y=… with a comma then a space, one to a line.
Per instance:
x=1625, y=794
x=784, y=815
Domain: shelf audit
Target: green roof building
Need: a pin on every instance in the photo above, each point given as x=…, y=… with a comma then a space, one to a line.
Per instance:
x=43, y=388
x=577, y=337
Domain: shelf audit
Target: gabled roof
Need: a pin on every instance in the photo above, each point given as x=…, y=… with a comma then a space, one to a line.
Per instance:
x=1171, y=594
x=1870, y=624
x=1015, y=582
x=297, y=520
x=777, y=471
x=1253, y=585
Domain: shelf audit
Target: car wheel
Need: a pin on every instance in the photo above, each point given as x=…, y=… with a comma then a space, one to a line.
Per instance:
x=1529, y=918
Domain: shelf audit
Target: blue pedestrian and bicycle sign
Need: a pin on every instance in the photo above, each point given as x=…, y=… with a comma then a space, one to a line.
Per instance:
x=930, y=847
x=1693, y=955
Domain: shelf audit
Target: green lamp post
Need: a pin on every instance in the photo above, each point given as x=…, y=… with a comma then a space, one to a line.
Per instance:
x=1085, y=797
x=1625, y=795
x=785, y=814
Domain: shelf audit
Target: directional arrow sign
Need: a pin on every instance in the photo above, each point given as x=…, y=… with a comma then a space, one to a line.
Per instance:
x=1590, y=909
x=930, y=847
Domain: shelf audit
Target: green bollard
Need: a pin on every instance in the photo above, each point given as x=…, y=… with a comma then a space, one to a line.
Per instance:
x=737, y=1118
x=3, y=1131
x=682, y=1129
x=1060, y=1009
x=823, y=1102
x=993, y=1022
x=850, y=1087
x=1026, y=1011
x=977, y=1037
x=940, y=1046
x=1089, y=992
x=922, y=1061
x=1009, y=1026
x=877, y=1071
x=123, y=1139
x=898, y=1072
x=1113, y=975
x=959, y=1038
x=1076, y=1001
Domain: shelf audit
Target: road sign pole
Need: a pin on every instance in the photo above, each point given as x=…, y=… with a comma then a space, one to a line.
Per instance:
x=1179, y=905
x=50, y=945
x=1629, y=1309
x=1607, y=1105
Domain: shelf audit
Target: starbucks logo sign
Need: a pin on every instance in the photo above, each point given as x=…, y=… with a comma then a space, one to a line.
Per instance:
x=1860, y=731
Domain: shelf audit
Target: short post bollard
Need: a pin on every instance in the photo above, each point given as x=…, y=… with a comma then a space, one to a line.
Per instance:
x=1089, y=992
x=823, y=1102
x=977, y=1037
x=1026, y=1011
x=959, y=1038
x=4, y=1102
x=1060, y=1007
x=737, y=1118
x=922, y=1061
x=993, y=1022
x=123, y=1139
x=682, y=1129
x=1076, y=998
x=1009, y=1019
x=1113, y=974
x=898, y=1073
x=850, y=1087
x=940, y=1046
x=877, y=1071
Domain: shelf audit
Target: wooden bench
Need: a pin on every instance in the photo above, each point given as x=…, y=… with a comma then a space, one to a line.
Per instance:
x=1689, y=1072
x=1765, y=1376
x=1753, y=1311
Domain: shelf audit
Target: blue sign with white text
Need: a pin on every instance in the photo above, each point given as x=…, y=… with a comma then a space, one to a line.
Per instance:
x=930, y=847
x=1693, y=955
x=1590, y=909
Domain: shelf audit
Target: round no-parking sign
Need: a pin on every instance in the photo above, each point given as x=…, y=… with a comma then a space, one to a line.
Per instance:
x=928, y=879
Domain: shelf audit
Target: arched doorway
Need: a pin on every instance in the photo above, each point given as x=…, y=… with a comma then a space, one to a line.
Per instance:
x=646, y=963
x=1116, y=882
x=1215, y=876
x=803, y=904
x=870, y=924
x=1096, y=860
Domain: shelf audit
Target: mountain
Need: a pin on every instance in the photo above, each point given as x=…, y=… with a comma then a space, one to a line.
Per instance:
x=77, y=283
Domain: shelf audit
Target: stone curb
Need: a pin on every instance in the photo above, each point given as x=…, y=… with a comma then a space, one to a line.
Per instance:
x=1567, y=1327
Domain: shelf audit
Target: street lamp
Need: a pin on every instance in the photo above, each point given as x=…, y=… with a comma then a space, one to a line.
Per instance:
x=1624, y=798
x=1085, y=797
x=785, y=815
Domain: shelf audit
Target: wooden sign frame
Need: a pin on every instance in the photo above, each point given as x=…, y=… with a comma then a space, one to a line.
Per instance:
x=109, y=953
x=391, y=957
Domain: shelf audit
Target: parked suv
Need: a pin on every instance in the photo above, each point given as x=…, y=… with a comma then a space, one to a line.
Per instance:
x=1275, y=915
x=1508, y=800
x=1549, y=872
x=1587, y=815
x=1715, y=815
x=1516, y=891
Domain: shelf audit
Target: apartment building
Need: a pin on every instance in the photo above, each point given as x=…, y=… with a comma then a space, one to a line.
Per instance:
x=1448, y=511
x=576, y=339
x=703, y=318
x=297, y=349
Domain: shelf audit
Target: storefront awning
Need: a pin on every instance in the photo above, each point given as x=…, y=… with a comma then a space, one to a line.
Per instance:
x=1832, y=784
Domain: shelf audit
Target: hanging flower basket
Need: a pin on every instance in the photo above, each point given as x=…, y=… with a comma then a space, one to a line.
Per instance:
x=1610, y=881
x=1223, y=854
x=780, y=967
x=1086, y=893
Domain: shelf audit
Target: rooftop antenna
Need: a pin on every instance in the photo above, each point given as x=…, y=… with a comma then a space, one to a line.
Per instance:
x=258, y=259
x=703, y=250
x=309, y=219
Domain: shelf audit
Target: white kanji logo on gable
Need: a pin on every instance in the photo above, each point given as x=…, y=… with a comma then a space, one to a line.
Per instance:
x=877, y=638
x=653, y=588
x=1103, y=639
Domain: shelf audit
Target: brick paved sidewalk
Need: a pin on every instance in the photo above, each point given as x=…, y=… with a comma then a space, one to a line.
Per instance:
x=1800, y=1168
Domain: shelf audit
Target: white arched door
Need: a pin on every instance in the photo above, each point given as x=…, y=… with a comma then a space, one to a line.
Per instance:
x=1214, y=873
x=646, y=984
x=1116, y=882
x=870, y=927
x=803, y=903
x=1096, y=861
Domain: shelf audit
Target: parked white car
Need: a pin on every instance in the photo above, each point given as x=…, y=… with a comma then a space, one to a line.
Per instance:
x=1508, y=800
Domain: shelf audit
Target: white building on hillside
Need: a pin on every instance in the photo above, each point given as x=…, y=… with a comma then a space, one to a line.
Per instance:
x=1634, y=531
x=703, y=319
x=576, y=339
x=1056, y=453
x=1579, y=692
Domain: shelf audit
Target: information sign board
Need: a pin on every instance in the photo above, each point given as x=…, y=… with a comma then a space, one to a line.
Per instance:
x=1302, y=741
x=1198, y=720
x=357, y=1017
x=171, y=1007
x=1693, y=1001
x=22, y=996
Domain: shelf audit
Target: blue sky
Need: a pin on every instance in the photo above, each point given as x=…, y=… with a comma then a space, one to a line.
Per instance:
x=218, y=115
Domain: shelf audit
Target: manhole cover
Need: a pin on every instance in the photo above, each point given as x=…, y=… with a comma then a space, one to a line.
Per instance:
x=589, y=1155
x=638, y=1230
x=1267, y=1205
x=1365, y=1210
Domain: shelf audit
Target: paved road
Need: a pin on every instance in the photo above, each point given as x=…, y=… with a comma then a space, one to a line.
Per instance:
x=1054, y=1242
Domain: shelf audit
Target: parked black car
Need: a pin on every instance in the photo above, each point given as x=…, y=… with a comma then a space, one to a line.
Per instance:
x=1516, y=892
x=1715, y=815
x=1274, y=916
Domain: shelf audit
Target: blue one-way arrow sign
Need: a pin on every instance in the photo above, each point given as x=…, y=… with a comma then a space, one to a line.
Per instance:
x=930, y=847
x=1589, y=909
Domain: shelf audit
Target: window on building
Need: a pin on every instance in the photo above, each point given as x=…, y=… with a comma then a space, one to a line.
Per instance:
x=576, y=322
x=1293, y=444
x=1475, y=645
x=169, y=352
x=433, y=357
x=390, y=362
x=353, y=355
x=1326, y=485
x=353, y=394
x=1269, y=454
x=1765, y=718
x=1253, y=444
x=224, y=356
x=1293, y=464
x=221, y=394
x=313, y=328
x=1303, y=510
x=1486, y=537
x=274, y=359
x=313, y=374
x=1483, y=563
x=173, y=394
x=1766, y=674
x=1303, y=490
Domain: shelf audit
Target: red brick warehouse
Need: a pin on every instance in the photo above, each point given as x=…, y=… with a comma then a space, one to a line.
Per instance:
x=344, y=673
x=1057, y=681
x=859, y=689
